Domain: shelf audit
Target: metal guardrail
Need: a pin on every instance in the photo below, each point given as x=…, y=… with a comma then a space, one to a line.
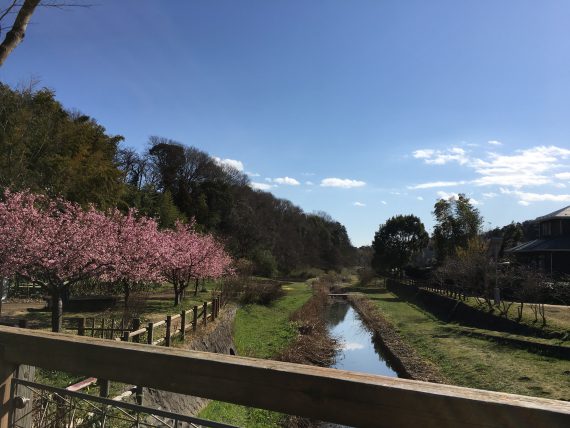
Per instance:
x=56, y=407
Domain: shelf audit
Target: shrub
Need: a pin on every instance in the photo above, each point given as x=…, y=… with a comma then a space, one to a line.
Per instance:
x=261, y=293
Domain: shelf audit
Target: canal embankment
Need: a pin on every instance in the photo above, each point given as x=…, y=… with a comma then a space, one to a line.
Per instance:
x=399, y=355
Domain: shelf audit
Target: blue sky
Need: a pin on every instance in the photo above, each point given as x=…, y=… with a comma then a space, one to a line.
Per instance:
x=374, y=108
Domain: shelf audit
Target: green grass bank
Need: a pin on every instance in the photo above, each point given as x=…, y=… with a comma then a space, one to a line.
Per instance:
x=471, y=361
x=261, y=332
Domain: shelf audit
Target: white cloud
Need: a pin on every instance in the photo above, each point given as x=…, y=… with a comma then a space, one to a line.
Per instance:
x=423, y=154
x=524, y=203
x=344, y=183
x=474, y=201
x=528, y=197
x=309, y=183
x=252, y=174
x=490, y=195
x=260, y=186
x=436, y=184
x=359, y=204
x=446, y=196
x=494, y=143
x=420, y=198
x=563, y=175
x=268, y=179
x=441, y=157
x=384, y=202
x=560, y=185
x=529, y=167
x=286, y=180
x=229, y=162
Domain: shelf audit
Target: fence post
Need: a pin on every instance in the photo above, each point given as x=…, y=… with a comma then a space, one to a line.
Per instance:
x=139, y=395
x=183, y=325
x=136, y=326
x=149, y=334
x=103, y=328
x=205, y=312
x=125, y=337
x=6, y=373
x=81, y=327
x=195, y=318
x=92, y=327
x=104, y=386
x=168, y=324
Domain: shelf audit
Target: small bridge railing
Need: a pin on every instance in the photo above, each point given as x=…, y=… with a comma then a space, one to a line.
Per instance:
x=337, y=396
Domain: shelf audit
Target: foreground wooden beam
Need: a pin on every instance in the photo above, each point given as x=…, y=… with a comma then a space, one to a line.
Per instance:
x=326, y=394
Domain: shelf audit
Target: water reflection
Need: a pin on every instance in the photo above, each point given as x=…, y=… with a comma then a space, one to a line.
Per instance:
x=358, y=352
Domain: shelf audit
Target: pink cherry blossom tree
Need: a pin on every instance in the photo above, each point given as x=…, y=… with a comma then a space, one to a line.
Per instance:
x=137, y=256
x=188, y=256
x=54, y=243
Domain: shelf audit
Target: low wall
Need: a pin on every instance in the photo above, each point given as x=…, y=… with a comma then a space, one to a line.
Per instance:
x=216, y=337
x=451, y=310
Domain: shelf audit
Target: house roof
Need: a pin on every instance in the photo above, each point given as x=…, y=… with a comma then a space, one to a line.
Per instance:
x=558, y=244
x=558, y=214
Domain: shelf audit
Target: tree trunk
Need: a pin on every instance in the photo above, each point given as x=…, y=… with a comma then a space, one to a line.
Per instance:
x=177, y=299
x=16, y=34
x=56, y=311
x=196, y=287
x=127, y=292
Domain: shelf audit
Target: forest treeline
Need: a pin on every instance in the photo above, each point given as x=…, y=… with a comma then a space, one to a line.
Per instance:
x=47, y=148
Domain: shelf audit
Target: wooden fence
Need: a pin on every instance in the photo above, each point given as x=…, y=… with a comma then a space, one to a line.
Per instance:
x=336, y=396
x=154, y=333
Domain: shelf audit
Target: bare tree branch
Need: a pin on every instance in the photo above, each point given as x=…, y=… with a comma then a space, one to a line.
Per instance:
x=15, y=36
x=17, y=31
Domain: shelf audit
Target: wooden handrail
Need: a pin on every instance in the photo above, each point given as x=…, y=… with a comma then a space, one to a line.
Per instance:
x=337, y=396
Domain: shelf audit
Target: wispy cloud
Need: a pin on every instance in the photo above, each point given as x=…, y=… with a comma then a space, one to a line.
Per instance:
x=441, y=157
x=494, y=143
x=529, y=197
x=229, y=162
x=384, y=202
x=534, y=166
x=344, y=183
x=287, y=181
x=359, y=204
x=252, y=174
x=433, y=184
x=563, y=176
x=420, y=198
x=447, y=196
x=260, y=186
x=490, y=195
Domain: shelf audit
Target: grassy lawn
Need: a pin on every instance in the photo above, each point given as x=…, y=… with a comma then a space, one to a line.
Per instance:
x=260, y=332
x=473, y=362
x=557, y=317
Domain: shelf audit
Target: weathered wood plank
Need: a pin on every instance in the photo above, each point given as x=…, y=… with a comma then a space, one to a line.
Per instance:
x=327, y=394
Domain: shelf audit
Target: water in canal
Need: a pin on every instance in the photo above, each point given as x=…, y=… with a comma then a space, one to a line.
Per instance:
x=358, y=352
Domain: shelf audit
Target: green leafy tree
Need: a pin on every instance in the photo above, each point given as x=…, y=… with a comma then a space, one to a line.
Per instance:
x=397, y=241
x=457, y=221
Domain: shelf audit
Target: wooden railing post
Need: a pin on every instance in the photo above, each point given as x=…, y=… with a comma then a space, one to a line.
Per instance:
x=139, y=395
x=168, y=324
x=205, y=312
x=104, y=386
x=81, y=326
x=150, y=333
x=136, y=326
x=195, y=318
x=183, y=325
x=7, y=371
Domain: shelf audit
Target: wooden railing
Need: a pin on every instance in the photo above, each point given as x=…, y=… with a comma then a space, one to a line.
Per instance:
x=332, y=395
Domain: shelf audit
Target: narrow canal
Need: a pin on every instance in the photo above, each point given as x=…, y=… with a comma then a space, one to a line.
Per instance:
x=358, y=351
